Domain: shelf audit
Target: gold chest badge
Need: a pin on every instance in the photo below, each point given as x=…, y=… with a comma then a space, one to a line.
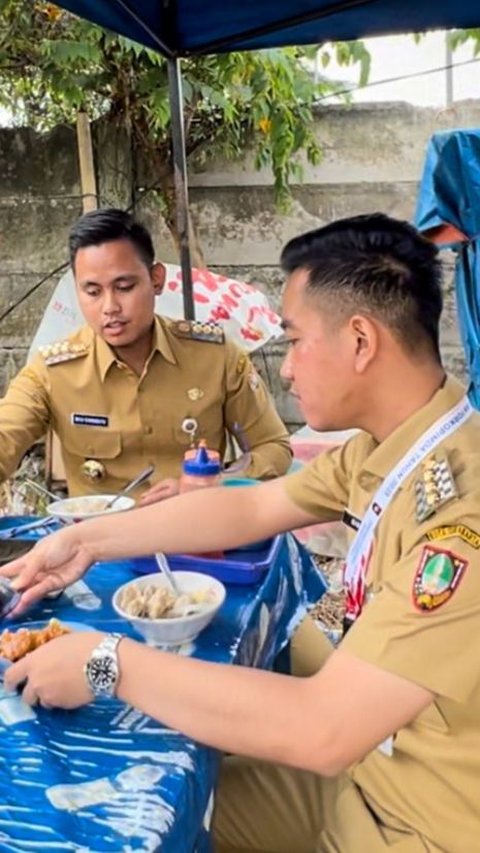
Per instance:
x=195, y=394
x=93, y=470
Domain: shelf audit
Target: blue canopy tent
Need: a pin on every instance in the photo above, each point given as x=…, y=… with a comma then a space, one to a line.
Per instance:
x=179, y=28
x=448, y=211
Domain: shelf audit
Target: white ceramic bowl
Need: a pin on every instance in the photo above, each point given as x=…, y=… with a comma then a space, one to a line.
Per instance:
x=179, y=629
x=88, y=506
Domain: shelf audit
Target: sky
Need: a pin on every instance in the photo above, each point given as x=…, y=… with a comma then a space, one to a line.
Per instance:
x=394, y=56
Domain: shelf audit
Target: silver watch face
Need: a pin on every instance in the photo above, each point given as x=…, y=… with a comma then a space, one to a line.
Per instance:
x=102, y=673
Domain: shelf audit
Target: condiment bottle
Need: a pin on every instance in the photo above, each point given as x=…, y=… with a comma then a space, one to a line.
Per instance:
x=201, y=470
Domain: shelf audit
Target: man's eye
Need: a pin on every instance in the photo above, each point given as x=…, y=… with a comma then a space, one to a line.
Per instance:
x=292, y=341
x=92, y=291
x=124, y=288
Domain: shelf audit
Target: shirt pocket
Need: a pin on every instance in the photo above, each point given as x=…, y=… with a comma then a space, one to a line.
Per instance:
x=92, y=443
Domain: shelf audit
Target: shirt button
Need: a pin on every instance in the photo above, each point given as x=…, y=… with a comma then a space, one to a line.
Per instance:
x=366, y=480
x=148, y=430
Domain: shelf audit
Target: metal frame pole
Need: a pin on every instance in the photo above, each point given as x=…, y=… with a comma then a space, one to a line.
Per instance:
x=180, y=180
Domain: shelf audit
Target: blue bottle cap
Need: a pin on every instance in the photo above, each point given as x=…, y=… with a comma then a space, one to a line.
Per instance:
x=202, y=465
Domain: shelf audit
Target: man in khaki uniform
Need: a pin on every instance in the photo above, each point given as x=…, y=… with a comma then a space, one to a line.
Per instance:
x=378, y=747
x=132, y=389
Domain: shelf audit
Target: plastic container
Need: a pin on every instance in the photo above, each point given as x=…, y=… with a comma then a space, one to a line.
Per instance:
x=201, y=471
x=236, y=567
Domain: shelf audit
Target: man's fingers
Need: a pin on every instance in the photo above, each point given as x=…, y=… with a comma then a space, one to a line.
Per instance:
x=12, y=569
x=34, y=593
x=29, y=696
x=16, y=674
x=164, y=489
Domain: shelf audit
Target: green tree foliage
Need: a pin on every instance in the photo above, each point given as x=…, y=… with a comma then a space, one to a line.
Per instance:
x=53, y=64
x=458, y=37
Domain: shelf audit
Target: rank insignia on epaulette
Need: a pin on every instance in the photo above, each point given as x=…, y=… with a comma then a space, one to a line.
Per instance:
x=62, y=351
x=434, y=488
x=194, y=330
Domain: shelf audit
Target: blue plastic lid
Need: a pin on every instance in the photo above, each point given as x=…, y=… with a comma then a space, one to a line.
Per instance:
x=202, y=464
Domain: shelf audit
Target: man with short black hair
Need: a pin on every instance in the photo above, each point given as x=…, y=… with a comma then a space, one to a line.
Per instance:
x=379, y=747
x=133, y=389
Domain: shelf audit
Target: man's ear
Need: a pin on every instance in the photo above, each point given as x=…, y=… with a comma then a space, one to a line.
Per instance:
x=365, y=334
x=158, y=275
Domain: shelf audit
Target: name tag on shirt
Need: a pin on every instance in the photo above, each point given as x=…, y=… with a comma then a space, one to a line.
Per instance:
x=79, y=419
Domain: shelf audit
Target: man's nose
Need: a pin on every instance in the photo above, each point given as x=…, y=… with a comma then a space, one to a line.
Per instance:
x=111, y=304
x=286, y=368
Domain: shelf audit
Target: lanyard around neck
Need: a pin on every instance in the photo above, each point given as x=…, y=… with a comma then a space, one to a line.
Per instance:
x=357, y=557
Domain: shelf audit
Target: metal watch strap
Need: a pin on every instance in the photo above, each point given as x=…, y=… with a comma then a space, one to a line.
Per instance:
x=108, y=644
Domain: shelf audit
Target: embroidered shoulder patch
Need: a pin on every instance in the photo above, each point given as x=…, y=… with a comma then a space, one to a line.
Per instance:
x=437, y=577
x=62, y=351
x=448, y=531
x=195, y=331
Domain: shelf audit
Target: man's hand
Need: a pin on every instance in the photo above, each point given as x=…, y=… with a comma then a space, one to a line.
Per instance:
x=53, y=674
x=54, y=563
x=162, y=490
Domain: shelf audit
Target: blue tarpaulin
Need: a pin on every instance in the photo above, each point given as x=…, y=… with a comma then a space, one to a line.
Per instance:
x=182, y=27
x=449, y=196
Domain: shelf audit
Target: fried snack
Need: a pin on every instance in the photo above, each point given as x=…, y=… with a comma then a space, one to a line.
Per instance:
x=16, y=644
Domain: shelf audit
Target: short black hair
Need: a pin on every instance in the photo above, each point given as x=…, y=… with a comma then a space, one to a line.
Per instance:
x=107, y=224
x=377, y=264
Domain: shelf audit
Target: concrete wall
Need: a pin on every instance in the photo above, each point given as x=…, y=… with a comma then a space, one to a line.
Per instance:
x=373, y=157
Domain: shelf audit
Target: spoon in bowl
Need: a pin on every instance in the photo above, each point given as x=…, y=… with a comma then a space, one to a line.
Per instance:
x=140, y=478
x=162, y=564
x=180, y=608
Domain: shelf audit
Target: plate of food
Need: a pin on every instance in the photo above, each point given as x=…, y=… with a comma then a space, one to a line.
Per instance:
x=15, y=644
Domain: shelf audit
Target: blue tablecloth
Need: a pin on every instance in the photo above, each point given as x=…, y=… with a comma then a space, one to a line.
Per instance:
x=108, y=778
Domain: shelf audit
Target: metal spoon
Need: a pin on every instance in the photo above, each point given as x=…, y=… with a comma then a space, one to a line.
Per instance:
x=140, y=478
x=162, y=564
x=42, y=490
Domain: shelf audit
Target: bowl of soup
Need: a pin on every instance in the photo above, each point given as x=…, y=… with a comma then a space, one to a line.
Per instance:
x=163, y=618
x=88, y=506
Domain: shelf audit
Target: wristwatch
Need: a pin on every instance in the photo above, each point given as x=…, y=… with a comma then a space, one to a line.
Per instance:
x=101, y=669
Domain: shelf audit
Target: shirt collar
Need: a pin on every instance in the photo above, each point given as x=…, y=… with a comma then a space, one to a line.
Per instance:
x=106, y=356
x=385, y=455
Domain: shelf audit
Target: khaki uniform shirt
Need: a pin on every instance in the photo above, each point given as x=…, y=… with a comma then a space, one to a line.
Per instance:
x=429, y=779
x=101, y=410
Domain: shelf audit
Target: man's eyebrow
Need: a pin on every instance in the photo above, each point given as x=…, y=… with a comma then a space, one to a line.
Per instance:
x=286, y=324
x=126, y=277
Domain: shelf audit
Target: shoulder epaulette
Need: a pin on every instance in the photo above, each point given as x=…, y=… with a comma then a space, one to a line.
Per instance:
x=211, y=333
x=62, y=351
x=435, y=486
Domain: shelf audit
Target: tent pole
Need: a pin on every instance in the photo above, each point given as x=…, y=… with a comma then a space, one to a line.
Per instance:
x=180, y=180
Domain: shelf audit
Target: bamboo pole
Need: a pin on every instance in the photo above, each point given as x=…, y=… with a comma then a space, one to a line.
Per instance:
x=54, y=468
x=87, y=169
